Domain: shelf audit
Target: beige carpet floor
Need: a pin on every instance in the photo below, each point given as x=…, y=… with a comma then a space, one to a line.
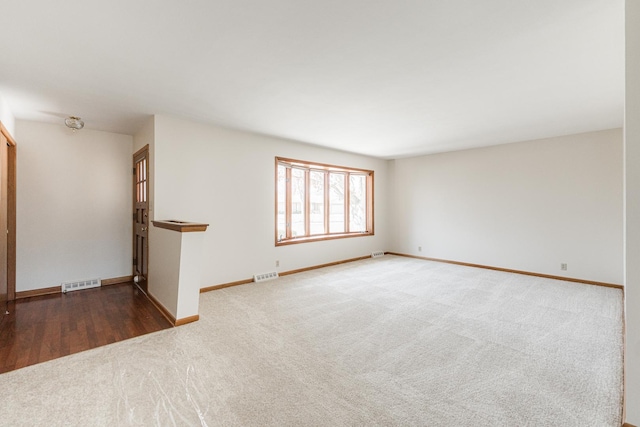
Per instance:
x=386, y=341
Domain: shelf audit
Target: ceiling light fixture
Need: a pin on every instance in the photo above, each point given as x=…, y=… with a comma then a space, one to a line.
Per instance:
x=74, y=123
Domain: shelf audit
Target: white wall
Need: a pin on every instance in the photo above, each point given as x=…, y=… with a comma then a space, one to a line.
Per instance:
x=527, y=206
x=632, y=211
x=6, y=117
x=73, y=205
x=226, y=178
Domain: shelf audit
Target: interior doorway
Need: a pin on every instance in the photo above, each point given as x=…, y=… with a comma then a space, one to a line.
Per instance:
x=141, y=217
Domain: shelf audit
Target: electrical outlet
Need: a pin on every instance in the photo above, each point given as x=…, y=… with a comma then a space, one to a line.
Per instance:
x=419, y=248
x=277, y=263
x=563, y=266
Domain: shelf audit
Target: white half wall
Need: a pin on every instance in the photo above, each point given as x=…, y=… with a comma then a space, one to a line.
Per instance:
x=164, y=274
x=73, y=205
x=175, y=270
x=226, y=178
x=632, y=211
x=526, y=206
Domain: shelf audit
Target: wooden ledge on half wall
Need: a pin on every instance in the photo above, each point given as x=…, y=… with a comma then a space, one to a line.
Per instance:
x=180, y=226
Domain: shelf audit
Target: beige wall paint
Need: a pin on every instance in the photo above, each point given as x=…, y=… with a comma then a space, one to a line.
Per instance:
x=225, y=178
x=527, y=206
x=73, y=205
x=632, y=211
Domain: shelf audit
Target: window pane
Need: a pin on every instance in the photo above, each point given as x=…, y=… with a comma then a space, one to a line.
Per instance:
x=282, y=200
x=316, y=195
x=297, y=202
x=336, y=202
x=357, y=203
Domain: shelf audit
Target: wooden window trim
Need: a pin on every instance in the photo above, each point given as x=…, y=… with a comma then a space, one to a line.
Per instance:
x=288, y=210
x=11, y=211
x=319, y=166
x=326, y=169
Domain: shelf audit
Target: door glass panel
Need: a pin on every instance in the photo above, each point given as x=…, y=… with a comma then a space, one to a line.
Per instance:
x=141, y=181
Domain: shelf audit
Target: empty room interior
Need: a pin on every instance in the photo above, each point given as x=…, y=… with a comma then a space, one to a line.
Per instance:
x=330, y=213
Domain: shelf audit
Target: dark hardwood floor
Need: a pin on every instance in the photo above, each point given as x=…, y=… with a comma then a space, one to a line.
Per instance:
x=47, y=327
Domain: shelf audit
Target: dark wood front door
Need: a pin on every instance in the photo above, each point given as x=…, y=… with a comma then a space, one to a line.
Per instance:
x=141, y=216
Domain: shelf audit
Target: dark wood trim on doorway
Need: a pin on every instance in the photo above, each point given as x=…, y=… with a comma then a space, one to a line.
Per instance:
x=11, y=213
x=141, y=197
x=140, y=151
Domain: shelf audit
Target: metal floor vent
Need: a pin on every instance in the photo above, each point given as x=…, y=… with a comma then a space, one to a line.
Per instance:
x=377, y=254
x=265, y=276
x=82, y=284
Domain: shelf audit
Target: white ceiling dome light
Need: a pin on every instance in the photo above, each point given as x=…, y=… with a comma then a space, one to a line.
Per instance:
x=74, y=123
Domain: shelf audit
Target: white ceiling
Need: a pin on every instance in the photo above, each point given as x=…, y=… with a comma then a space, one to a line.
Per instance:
x=387, y=78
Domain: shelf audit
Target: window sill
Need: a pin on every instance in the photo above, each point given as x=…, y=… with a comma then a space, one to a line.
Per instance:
x=297, y=240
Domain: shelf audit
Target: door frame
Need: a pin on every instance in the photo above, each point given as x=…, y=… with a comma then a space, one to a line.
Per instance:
x=141, y=153
x=12, y=158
